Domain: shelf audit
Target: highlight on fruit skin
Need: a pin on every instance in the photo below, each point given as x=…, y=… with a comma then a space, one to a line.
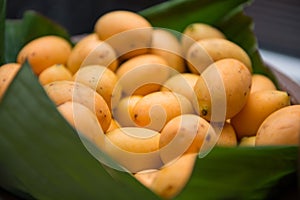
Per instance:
x=247, y=141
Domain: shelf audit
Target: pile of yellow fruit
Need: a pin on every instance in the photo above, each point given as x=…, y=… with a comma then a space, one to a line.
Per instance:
x=153, y=99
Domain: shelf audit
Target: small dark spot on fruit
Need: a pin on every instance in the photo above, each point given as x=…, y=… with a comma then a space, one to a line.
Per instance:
x=169, y=188
x=103, y=54
x=4, y=79
x=194, y=53
x=135, y=116
x=182, y=129
x=245, y=93
x=208, y=137
x=204, y=112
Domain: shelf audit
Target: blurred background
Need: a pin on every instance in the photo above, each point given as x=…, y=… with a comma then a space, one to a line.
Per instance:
x=277, y=23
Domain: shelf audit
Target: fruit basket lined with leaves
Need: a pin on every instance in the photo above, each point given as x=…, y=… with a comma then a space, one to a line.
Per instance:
x=42, y=156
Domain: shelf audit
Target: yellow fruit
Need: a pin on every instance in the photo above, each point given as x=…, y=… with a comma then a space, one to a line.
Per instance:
x=87, y=38
x=222, y=90
x=62, y=91
x=185, y=134
x=127, y=32
x=154, y=110
x=57, y=72
x=123, y=111
x=227, y=136
x=166, y=45
x=44, y=52
x=171, y=179
x=81, y=118
x=183, y=84
x=247, y=141
x=258, y=107
x=134, y=148
x=135, y=139
x=282, y=127
x=113, y=125
x=143, y=74
x=90, y=51
x=146, y=177
x=7, y=73
x=101, y=79
x=198, y=31
x=261, y=82
x=204, y=52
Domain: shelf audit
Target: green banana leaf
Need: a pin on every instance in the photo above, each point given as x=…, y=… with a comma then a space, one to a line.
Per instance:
x=240, y=173
x=2, y=25
x=42, y=157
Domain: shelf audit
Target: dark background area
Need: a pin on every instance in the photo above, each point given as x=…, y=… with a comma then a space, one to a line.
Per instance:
x=76, y=15
x=277, y=22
